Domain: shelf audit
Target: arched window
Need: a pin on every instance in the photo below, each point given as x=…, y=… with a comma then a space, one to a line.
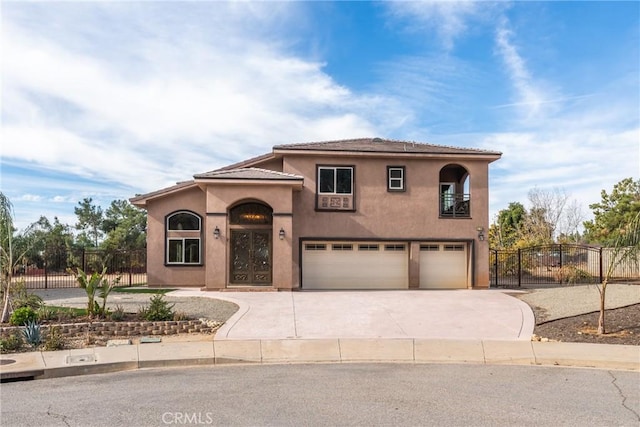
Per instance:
x=183, y=238
x=183, y=221
x=251, y=213
x=454, y=192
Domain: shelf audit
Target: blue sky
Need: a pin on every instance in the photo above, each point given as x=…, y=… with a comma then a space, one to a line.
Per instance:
x=112, y=99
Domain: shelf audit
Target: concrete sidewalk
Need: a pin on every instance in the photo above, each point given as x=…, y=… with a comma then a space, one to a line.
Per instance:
x=483, y=327
x=111, y=359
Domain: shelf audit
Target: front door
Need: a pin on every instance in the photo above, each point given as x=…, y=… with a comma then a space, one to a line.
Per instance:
x=251, y=257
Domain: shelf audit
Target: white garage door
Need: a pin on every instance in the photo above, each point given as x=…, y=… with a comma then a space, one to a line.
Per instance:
x=355, y=265
x=444, y=265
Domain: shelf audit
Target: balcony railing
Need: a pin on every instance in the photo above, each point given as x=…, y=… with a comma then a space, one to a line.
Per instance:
x=455, y=206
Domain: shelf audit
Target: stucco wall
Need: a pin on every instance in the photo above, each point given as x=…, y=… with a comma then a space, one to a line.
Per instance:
x=379, y=214
x=157, y=273
x=220, y=197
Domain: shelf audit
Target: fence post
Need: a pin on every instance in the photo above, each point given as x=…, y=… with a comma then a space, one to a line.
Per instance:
x=45, y=269
x=600, y=262
x=519, y=268
x=130, y=254
x=560, y=260
x=495, y=258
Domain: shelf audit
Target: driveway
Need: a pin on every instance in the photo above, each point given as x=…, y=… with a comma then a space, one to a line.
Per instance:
x=452, y=314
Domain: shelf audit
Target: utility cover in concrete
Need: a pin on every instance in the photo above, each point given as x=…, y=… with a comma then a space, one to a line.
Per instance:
x=116, y=343
x=81, y=358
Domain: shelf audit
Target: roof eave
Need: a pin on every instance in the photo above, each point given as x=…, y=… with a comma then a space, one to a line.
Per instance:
x=296, y=183
x=489, y=155
x=142, y=200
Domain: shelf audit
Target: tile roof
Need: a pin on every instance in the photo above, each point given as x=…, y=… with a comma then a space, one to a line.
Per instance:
x=141, y=198
x=380, y=145
x=248, y=173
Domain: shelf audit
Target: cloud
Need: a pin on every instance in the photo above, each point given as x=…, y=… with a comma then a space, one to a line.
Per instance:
x=449, y=19
x=530, y=97
x=187, y=107
x=30, y=198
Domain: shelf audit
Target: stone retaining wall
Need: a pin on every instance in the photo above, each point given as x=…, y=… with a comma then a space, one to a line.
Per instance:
x=126, y=329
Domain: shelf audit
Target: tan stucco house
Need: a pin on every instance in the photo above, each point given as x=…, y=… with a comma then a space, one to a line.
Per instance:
x=353, y=214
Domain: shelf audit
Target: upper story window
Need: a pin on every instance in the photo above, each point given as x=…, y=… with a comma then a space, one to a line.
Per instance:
x=455, y=200
x=183, y=242
x=335, y=180
x=335, y=188
x=395, y=178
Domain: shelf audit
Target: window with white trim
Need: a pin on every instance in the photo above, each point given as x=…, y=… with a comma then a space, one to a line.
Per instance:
x=183, y=231
x=395, y=178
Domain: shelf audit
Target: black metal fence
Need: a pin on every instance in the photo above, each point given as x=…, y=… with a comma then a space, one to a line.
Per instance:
x=556, y=264
x=51, y=268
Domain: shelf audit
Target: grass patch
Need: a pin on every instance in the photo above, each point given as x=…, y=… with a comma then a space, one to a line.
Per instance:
x=141, y=291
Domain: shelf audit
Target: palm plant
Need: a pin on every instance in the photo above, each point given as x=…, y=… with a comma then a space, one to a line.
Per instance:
x=91, y=285
x=626, y=248
x=9, y=259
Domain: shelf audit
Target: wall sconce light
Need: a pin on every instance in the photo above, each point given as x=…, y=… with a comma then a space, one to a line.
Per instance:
x=216, y=232
x=480, y=231
x=281, y=233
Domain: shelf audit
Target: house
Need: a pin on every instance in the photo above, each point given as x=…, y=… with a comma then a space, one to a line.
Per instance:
x=352, y=214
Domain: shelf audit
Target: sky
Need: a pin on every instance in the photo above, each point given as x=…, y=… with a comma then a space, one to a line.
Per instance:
x=112, y=99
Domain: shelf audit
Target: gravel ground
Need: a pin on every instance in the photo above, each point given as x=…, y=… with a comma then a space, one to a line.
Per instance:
x=557, y=303
x=209, y=308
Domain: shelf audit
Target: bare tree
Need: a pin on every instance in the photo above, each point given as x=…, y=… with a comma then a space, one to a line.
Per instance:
x=571, y=221
x=547, y=207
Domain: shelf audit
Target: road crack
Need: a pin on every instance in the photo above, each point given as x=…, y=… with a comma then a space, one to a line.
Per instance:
x=624, y=398
x=61, y=417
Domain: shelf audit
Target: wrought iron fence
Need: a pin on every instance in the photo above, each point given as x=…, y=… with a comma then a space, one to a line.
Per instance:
x=556, y=264
x=51, y=268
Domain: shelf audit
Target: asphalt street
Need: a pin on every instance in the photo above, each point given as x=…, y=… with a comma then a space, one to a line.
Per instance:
x=328, y=395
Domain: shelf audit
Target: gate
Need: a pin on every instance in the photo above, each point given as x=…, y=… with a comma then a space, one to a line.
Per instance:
x=554, y=264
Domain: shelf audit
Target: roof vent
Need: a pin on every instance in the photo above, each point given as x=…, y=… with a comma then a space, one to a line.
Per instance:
x=376, y=139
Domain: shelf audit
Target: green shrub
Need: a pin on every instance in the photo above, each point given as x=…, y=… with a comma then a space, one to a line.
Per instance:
x=54, y=339
x=32, y=333
x=46, y=313
x=12, y=343
x=158, y=309
x=22, y=316
x=21, y=297
x=118, y=313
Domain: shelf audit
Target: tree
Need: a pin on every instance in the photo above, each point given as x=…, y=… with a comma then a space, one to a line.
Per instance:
x=626, y=248
x=506, y=230
x=53, y=241
x=89, y=221
x=125, y=226
x=614, y=211
x=545, y=214
x=10, y=256
x=551, y=217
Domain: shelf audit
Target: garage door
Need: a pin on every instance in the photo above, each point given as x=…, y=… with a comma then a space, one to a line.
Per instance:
x=443, y=265
x=355, y=265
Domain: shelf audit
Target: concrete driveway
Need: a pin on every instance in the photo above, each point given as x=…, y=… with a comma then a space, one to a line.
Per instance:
x=452, y=314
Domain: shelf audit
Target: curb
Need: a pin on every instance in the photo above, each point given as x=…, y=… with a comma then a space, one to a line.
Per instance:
x=41, y=365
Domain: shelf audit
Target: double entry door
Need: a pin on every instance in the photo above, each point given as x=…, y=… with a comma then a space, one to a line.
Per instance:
x=251, y=258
